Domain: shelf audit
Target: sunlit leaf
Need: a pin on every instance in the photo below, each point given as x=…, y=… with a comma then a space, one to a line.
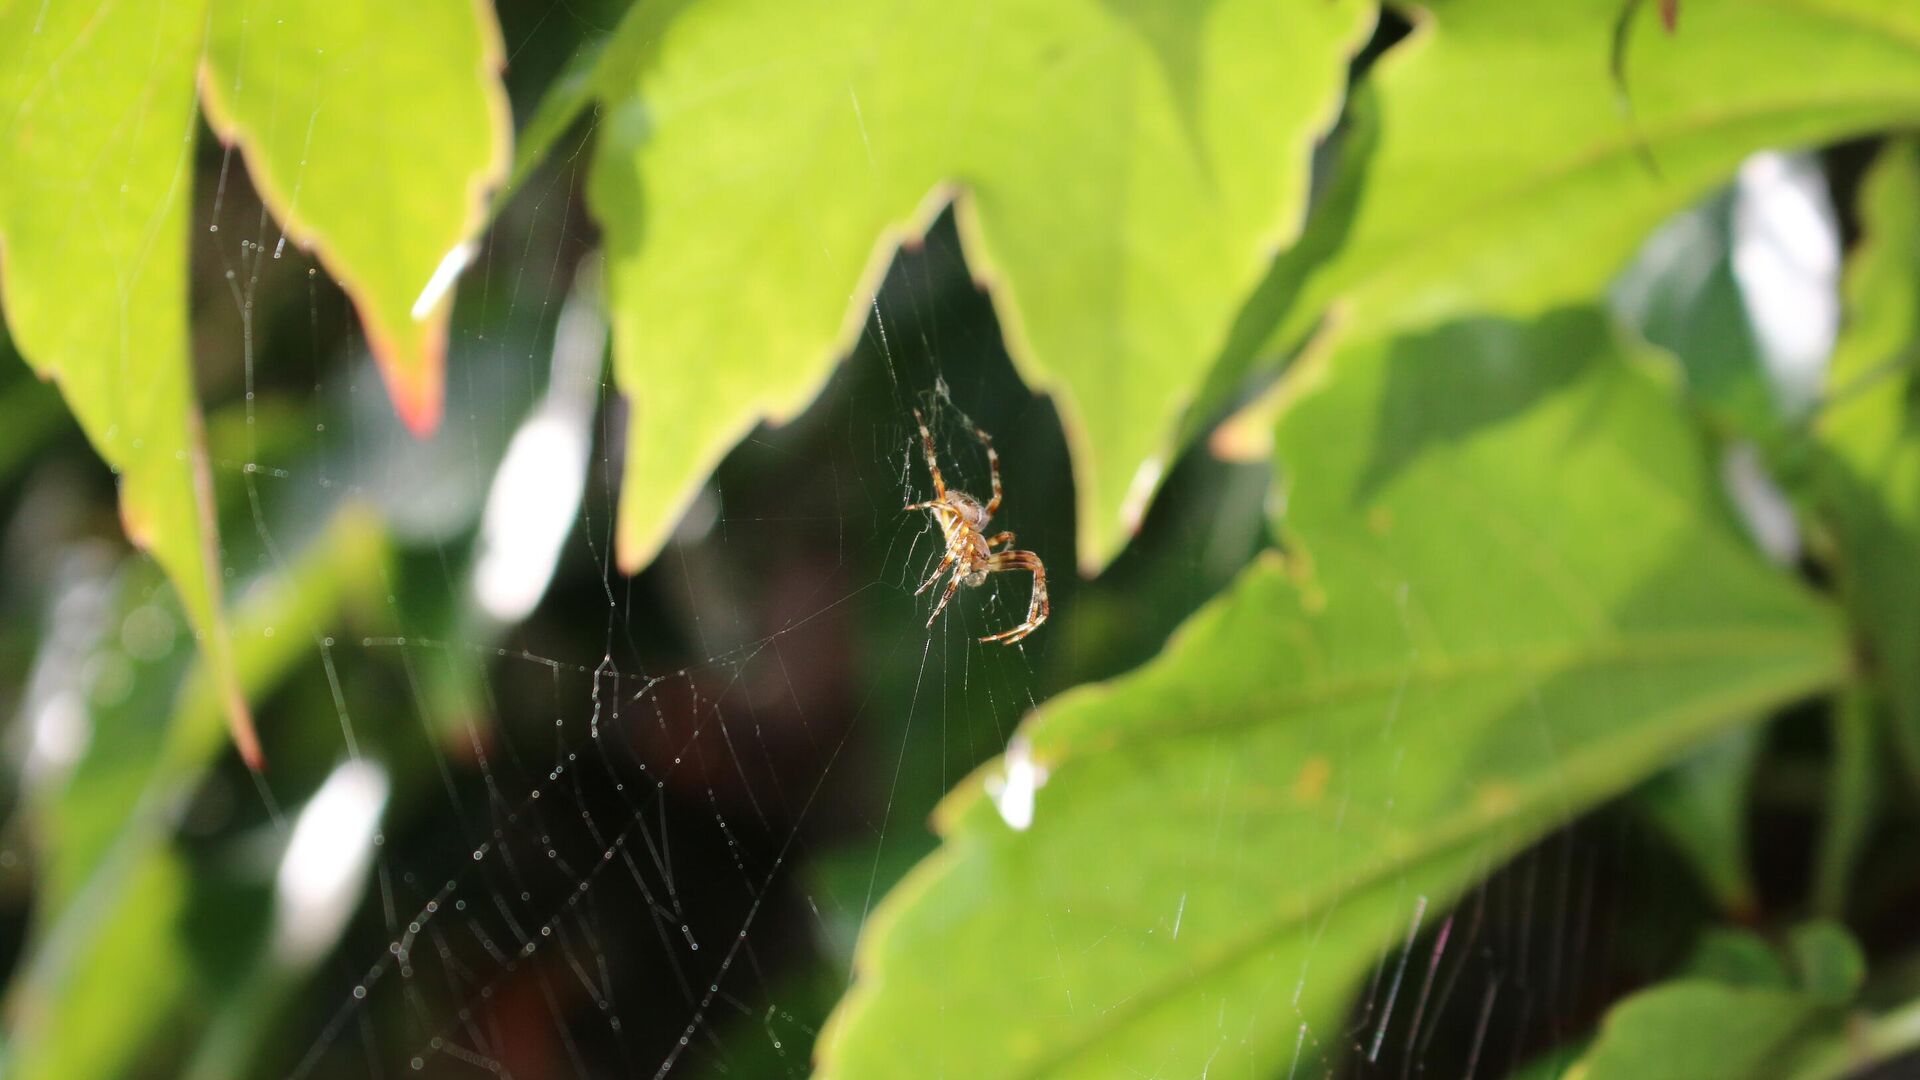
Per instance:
x=1870, y=470
x=1473, y=189
x=1326, y=756
x=1121, y=175
x=376, y=133
x=96, y=175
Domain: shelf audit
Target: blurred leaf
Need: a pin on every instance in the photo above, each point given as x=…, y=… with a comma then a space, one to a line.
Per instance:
x=1701, y=804
x=115, y=898
x=1121, y=172
x=1698, y=1030
x=1342, y=742
x=96, y=168
x=1851, y=799
x=376, y=133
x=127, y=980
x=571, y=94
x=1711, y=1027
x=1828, y=961
x=1481, y=193
x=1681, y=294
x=1736, y=958
x=1736, y=1021
x=1870, y=470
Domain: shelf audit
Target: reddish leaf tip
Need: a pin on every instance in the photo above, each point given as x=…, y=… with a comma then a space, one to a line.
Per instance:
x=245, y=738
x=415, y=375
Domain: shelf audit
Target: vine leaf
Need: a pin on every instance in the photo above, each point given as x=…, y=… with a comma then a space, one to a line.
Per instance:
x=1466, y=189
x=96, y=175
x=1121, y=173
x=375, y=132
x=1260, y=775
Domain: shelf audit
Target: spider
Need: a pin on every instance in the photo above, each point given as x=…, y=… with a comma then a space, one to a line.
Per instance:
x=970, y=554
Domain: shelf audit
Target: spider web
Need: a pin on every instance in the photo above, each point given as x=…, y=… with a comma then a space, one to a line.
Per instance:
x=579, y=824
x=649, y=819
x=667, y=815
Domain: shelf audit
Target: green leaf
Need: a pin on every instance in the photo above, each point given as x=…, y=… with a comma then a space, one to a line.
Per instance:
x=1828, y=961
x=376, y=133
x=1701, y=804
x=1750, y=1024
x=1478, y=192
x=129, y=976
x=1852, y=797
x=1697, y=1030
x=96, y=171
x=1340, y=745
x=1681, y=294
x=116, y=890
x=1736, y=958
x=1121, y=172
x=1869, y=473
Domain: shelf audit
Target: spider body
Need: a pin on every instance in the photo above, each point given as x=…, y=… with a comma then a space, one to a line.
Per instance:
x=970, y=553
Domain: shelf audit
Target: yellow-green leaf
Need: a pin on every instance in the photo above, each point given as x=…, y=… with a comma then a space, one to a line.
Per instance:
x=96, y=177
x=1122, y=173
x=1510, y=160
x=375, y=132
x=1222, y=843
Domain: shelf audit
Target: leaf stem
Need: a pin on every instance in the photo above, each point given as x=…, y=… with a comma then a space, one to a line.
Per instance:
x=1866, y=1043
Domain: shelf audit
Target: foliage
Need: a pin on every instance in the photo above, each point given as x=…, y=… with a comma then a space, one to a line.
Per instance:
x=1119, y=215
x=1506, y=568
x=1525, y=698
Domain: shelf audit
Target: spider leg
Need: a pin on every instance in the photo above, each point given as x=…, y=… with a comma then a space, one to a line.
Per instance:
x=953, y=585
x=1001, y=538
x=937, y=571
x=933, y=463
x=993, y=467
x=1037, y=608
